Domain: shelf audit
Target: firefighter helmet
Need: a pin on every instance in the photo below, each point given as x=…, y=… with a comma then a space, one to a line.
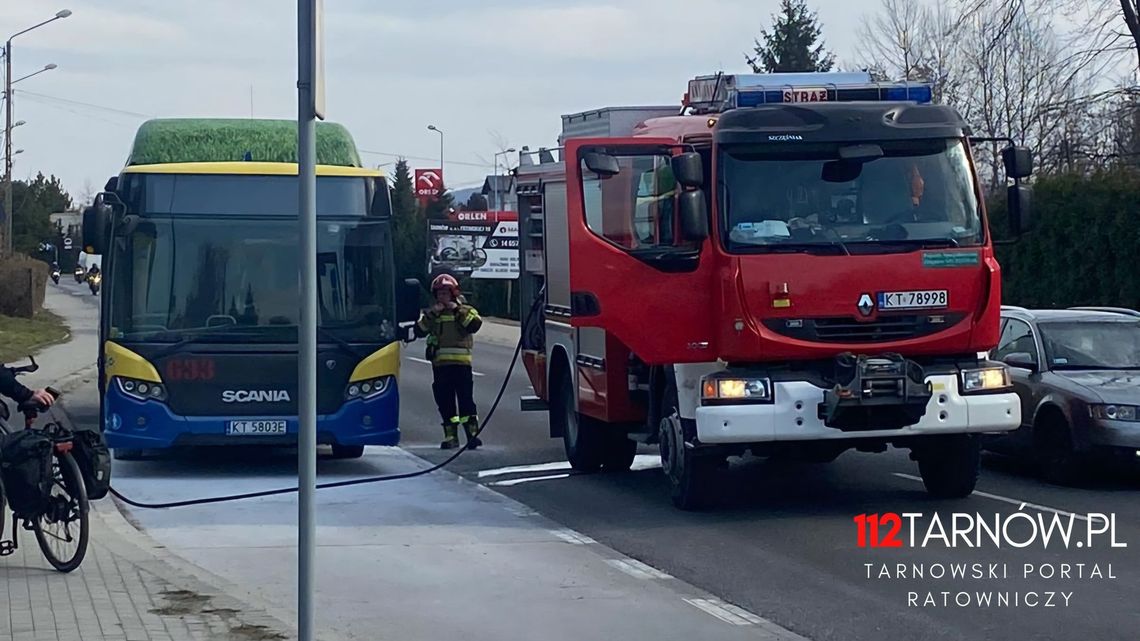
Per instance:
x=445, y=281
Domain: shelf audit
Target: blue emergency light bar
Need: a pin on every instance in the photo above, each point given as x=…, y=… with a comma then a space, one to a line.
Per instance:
x=725, y=92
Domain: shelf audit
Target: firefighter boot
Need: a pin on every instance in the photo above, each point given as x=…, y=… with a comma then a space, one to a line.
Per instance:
x=450, y=436
x=471, y=428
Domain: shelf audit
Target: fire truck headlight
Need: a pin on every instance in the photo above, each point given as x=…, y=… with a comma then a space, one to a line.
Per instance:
x=736, y=389
x=986, y=379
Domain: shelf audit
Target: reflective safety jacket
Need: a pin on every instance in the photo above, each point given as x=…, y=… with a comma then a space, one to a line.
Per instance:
x=449, y=334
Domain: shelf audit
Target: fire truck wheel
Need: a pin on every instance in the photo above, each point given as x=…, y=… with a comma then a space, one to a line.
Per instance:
x=949, y=466
x=582, y=436
x=690, y=475
x=620, y=453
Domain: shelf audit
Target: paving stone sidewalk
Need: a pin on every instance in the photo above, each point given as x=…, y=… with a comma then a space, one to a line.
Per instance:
x=122, y=592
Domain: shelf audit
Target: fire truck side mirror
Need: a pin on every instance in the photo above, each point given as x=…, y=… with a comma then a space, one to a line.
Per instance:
x=604, y=165
x=688, y=170
x=1018, y=162
x=694, y=215
x=1020, y=209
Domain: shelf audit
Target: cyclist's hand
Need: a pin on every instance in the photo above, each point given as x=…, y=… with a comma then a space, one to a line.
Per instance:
x=43, y=398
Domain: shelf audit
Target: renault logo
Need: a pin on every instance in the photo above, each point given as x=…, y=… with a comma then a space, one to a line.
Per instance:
x=866, y=305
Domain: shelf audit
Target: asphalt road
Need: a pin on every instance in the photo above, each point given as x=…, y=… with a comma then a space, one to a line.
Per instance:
x=783, y=543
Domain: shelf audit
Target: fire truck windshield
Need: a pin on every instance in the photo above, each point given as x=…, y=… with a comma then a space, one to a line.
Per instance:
x=800, y=196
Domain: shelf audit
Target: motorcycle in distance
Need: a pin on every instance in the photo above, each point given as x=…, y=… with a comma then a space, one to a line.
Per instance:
x=78, y=274
x=93, y=282
x=55, y=274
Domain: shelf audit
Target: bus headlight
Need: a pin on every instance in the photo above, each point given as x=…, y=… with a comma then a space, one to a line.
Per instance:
x=368, y=388
x=141, y=390
x=986, y=379
x=716, y=389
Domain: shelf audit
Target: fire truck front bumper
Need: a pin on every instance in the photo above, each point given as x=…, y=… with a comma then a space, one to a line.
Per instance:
x=796, y=412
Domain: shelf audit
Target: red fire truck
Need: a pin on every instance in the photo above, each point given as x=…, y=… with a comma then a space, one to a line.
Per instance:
x=788, y=265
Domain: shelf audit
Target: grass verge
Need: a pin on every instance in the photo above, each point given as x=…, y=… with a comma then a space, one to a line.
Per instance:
x=20, y=337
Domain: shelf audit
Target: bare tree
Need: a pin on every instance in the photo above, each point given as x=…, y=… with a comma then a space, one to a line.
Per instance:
x=1018, y=78
x=892, y=39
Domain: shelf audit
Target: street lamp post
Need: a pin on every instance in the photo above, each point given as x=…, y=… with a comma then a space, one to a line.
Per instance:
x=498, y=197
x=439, y=131
x=8, y=82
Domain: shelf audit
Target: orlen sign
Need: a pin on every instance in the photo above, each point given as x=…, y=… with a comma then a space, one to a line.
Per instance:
x=483, y=216
x=429, y=183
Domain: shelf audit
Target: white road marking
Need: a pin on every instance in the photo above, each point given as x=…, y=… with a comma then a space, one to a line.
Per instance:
x=640, y=462
x=517, y=469
x=637, y=569
x=725, y=611
x=1005, y=499
x=427, y=362
x=511, y=482
x=572, y=537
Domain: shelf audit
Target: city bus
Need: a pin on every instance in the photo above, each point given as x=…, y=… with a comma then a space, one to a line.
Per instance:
x=201, y=307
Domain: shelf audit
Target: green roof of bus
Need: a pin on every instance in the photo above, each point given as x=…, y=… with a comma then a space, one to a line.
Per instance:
x=175, y=140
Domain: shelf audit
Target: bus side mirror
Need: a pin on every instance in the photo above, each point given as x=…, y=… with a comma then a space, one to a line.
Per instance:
x=381, y=206
x=97, y=222
x=694, y=215
x=1018, y=162
x=1020, y=208
x=688, y=169
x=604, y=165
x=408, y=301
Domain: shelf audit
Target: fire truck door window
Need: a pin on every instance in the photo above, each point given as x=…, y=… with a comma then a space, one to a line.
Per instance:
x=634, y=209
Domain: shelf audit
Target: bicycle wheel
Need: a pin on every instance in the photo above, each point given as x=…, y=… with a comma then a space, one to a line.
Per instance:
x=63, y=530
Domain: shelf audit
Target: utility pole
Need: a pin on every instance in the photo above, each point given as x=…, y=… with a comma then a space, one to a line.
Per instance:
x=7, y=246
x=8, y=82
x=310, y=106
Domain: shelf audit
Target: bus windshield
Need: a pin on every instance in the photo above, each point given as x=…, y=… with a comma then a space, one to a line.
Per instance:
x=239, y=279
x=914, y=193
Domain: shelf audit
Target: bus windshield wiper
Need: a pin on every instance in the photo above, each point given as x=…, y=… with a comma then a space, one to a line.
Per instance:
x=198, y=335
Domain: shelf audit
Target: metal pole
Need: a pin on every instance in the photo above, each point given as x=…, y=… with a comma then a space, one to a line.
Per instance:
x=7, y=246
x=307, y=333
x=442, y=180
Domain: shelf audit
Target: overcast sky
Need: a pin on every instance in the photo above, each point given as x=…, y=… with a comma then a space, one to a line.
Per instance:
x=469, y=67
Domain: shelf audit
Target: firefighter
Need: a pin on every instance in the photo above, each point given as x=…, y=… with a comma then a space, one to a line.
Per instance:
x=449, y=325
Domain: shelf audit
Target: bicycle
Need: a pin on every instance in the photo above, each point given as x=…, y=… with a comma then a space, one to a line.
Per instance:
x=68, y=507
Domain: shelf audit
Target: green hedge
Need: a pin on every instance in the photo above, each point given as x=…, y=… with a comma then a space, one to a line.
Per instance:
x=1085, y=248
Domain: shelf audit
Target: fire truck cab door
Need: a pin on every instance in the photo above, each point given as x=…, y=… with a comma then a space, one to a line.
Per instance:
x=632, y=271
